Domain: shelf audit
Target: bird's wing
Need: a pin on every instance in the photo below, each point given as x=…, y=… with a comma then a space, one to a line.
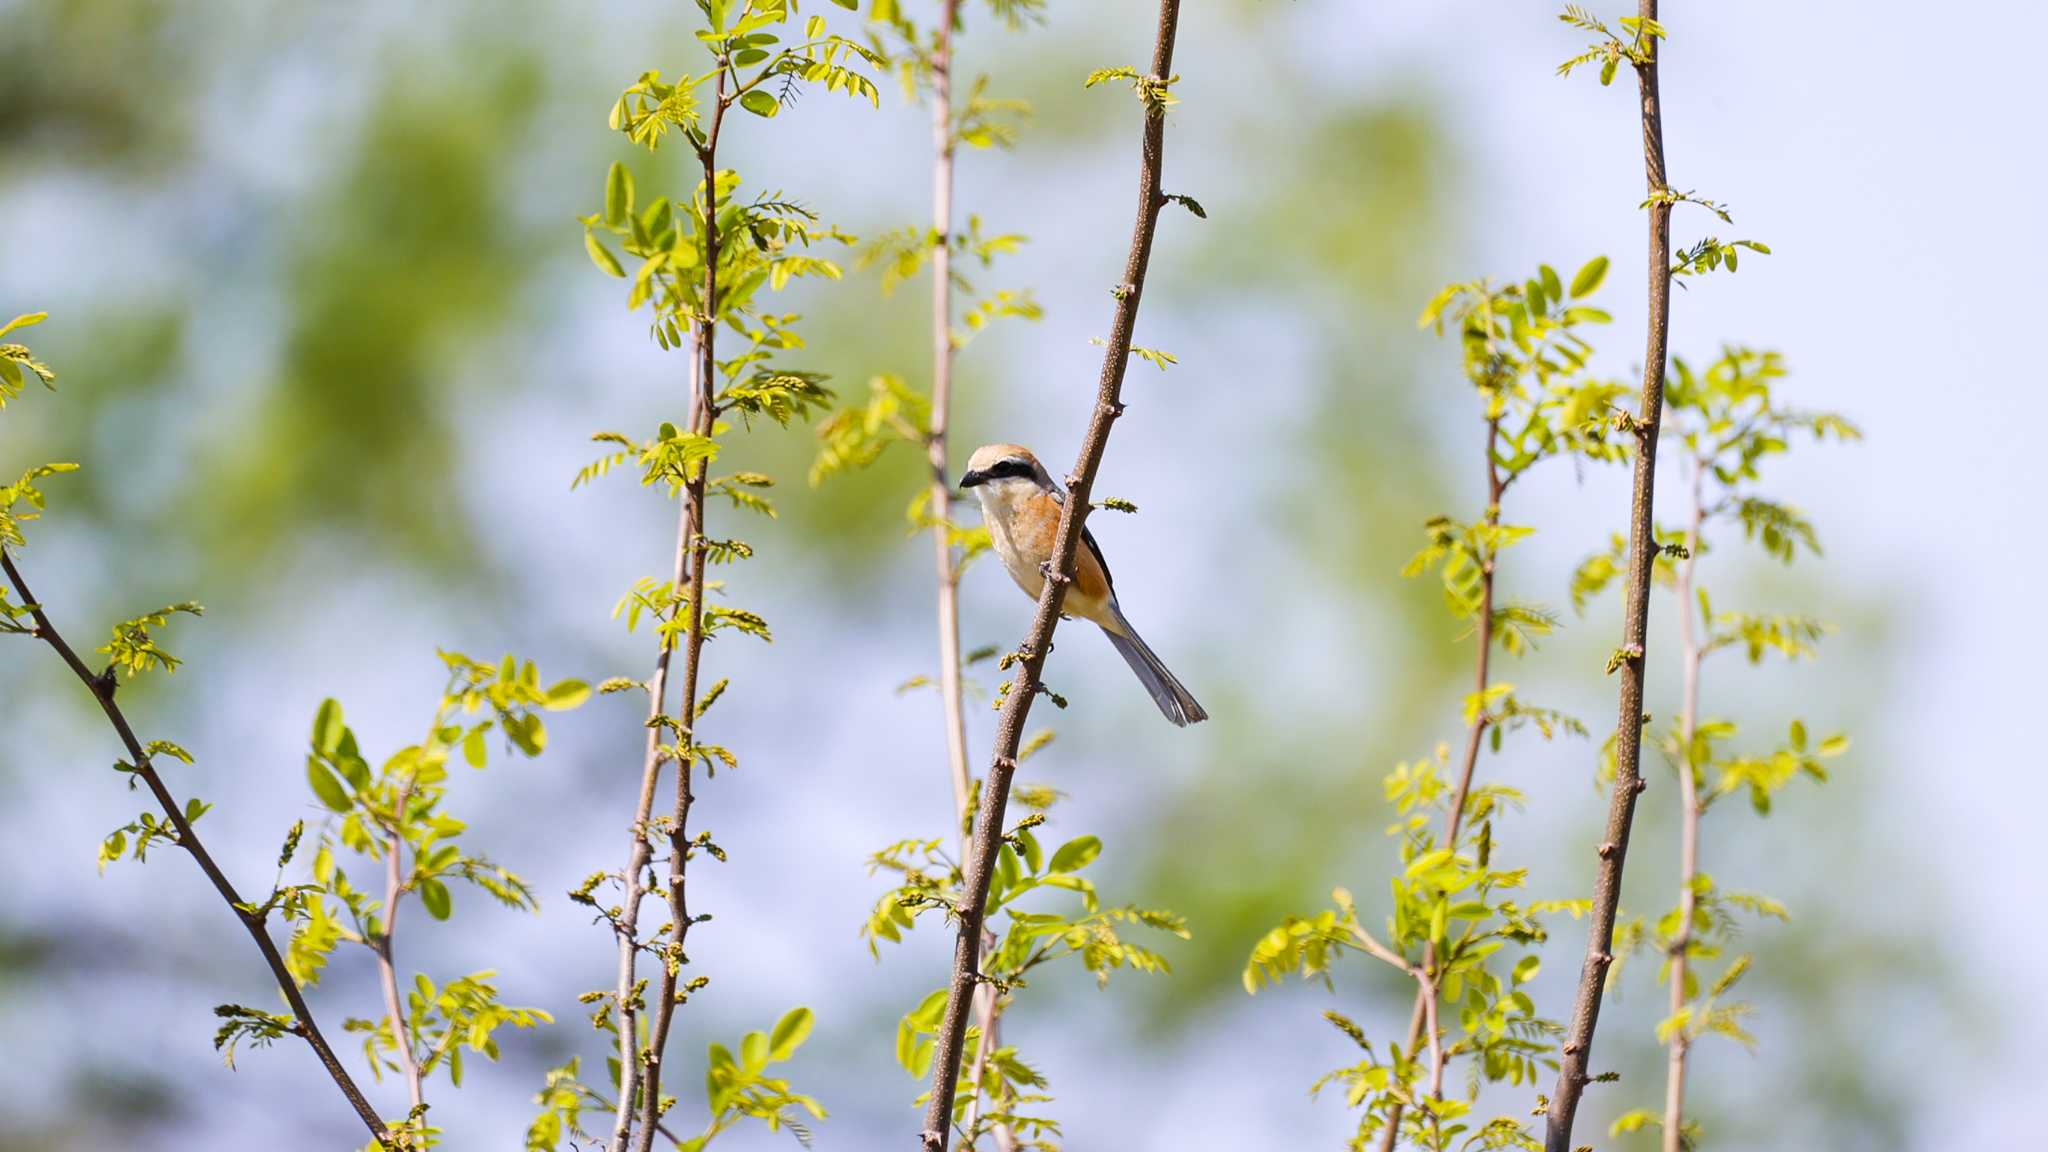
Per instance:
x=1095, y=550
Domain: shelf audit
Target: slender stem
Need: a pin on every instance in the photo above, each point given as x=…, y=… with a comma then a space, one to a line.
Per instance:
x=941, y=500
x=641, y=849
x=102, y=690
x=1037, y=644
x=394, y=891
x=1424, y=1013
x=1642, y=545
x=1689, y=792
x=704, y=415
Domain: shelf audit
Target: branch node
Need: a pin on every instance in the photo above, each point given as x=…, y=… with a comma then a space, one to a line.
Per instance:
x=1607, y=850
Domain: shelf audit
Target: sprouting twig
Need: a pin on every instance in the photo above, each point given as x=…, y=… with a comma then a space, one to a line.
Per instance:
x=995, y=791
x=188, y=839
x=1642, y=551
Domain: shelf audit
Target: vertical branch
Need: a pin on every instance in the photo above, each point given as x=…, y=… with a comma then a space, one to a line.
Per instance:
x=387, y=966
x=704, y=416
x=102, y=689
x=1424, y=1014
x=1689, y=791
x=995, y=792
x=941, y=498
x=627, y=925
x=1628, y=734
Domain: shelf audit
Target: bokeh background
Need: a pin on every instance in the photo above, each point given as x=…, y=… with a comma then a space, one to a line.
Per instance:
x=329, y=351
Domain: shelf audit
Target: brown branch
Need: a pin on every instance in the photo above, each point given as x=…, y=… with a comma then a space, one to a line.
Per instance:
x=1642, y=545
x=1689, y=792
x=995, y=792
x=102, y=690
x=703, y=416
x=1424, y=1013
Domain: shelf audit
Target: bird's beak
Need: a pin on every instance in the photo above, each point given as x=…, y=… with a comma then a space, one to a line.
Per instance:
x=972, y=479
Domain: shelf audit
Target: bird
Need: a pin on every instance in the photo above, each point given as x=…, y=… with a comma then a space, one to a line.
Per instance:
x=1021, y=504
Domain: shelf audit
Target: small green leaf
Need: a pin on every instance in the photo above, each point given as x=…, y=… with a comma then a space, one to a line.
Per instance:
x=1075, y=854
x=760, y=103
x=1589, y=278
x=618, y=195
x=601, y=256
x=567, y=694
x=326, y=787
x=434, y=898
x=790, y=1033
x=754, y=1051
x=327, y=727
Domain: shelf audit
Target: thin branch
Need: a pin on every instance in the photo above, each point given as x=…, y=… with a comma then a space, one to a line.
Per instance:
x=1642, y=551
x=103, y=691
x=1424, y=1013
x=942, y=403
x=703, y=414
x=394, y=891
x=995, y=792
x=1689, y=792
x=944, y=146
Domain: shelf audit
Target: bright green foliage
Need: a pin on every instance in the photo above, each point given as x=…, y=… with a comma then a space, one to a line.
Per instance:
x=1612, y=49
x=1096, y=936
x=1451, y=925
x=17, y=363
x=1725, y=422
x=21, y=501
x=703, y=263
x=737, y=1087
x=134, y=652
x=1000, y=1093
x=391, y=819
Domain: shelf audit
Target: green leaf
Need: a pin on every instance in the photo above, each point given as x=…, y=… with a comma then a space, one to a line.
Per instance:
x=601, y=256
x=27, y=320
x=790, y=1033
x=1590, y=277
x=760, y=103
x=754, y=1051
x=434, y=898
x=327, y=727
x=567, y=694
x=1075, y=854
x=618, y=195
x=527, y=733
x=325, y=786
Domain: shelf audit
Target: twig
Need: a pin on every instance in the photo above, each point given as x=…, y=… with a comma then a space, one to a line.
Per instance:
x=995, y=792
x=942, y=404
x=1689, y=792
x=188, y=839
x=394, y=891
x=704, y=415
x=1424, y=1013
x=1642, y=551
x=944, y=146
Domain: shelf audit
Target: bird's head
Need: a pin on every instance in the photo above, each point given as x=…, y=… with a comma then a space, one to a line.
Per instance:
x=1005, y=469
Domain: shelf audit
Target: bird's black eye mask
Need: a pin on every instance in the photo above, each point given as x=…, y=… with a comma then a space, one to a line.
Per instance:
x=1012, y=468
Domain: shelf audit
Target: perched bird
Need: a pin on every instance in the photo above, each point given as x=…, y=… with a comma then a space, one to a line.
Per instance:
x=1020, y=503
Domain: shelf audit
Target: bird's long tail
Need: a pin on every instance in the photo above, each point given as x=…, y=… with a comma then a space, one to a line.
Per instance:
x=1167, y=691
